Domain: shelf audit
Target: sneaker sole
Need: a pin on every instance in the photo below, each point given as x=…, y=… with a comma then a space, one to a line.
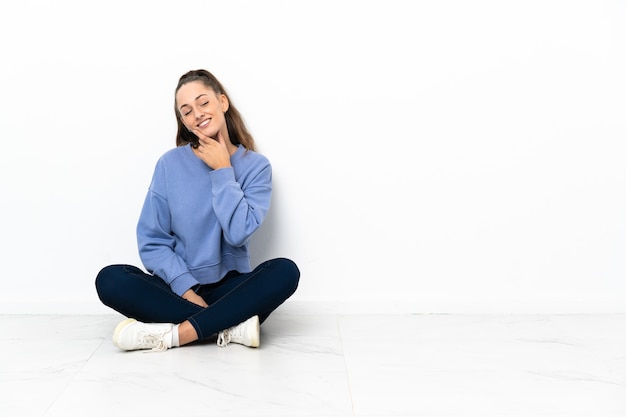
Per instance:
x=118, y=329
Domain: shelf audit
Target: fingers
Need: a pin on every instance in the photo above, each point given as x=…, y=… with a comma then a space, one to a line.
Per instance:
x=210, y=142
x=207, y=140
x=192, y=297
x=199, y=134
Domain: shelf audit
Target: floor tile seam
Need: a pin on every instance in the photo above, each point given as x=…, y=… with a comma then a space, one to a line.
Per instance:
x=345, y=364
x=71, y=381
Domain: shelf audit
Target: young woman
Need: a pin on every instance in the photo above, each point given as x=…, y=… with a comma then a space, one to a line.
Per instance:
x=208, y=195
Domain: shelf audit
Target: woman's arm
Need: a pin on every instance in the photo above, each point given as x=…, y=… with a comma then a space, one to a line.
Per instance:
x=241, y=204
x=156, y=245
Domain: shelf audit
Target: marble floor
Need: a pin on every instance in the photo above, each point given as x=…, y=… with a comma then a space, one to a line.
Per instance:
x=324, y=365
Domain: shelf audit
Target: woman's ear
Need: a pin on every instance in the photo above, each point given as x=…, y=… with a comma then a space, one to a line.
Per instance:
x=224, y=102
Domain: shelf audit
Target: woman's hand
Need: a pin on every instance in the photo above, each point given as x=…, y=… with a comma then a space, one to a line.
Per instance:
x=213, y=151
x=191, y=296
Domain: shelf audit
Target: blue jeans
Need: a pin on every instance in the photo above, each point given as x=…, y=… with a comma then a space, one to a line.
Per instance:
x=234, y=299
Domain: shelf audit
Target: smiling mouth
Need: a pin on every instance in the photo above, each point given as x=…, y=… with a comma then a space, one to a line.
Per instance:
x=204, y=123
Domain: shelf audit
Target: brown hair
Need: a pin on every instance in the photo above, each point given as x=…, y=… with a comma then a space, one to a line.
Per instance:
x=237, y=130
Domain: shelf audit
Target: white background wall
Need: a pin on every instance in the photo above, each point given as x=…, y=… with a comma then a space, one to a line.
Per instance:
x=429, y=156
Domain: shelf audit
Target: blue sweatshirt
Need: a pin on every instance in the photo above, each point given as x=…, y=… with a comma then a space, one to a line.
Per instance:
x=196, y=221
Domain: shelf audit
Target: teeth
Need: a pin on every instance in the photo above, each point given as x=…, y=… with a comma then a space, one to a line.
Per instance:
x=206, y=122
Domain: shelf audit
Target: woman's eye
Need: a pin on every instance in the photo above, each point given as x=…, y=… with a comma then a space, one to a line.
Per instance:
x=204, y=104
x=187, y=113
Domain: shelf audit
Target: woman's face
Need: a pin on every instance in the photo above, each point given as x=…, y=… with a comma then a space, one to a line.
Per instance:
x=201, y=109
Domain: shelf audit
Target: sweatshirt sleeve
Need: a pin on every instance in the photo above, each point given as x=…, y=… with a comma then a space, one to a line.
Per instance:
x=156, y=244
x=242, y=204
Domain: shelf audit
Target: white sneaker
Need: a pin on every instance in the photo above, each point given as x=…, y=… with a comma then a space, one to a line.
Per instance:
x=246, y=333
x=131, y=334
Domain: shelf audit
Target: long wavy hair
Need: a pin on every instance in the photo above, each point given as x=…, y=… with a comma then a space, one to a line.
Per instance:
x=237, y=130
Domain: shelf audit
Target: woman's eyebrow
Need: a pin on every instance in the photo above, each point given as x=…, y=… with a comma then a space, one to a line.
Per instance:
x=187, y=105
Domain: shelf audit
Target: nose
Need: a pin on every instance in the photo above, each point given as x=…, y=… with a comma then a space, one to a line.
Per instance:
x=198, y=113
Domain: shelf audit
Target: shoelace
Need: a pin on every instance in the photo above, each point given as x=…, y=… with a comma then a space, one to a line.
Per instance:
x=223, y=338
x=155, y=340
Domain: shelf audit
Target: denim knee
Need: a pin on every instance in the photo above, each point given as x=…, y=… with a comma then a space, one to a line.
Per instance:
x=107, y=281
x=289, y=273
